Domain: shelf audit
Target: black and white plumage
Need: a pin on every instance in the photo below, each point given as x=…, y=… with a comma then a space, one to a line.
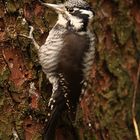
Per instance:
x=67, y=57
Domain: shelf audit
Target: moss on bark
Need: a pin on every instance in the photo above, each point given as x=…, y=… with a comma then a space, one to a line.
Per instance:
x=24, y=90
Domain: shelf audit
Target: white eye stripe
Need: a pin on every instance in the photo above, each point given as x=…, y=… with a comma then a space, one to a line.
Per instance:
x=75, y=9
x=87, y=12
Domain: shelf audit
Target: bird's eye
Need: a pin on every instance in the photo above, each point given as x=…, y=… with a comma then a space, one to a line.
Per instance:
x=70, y=9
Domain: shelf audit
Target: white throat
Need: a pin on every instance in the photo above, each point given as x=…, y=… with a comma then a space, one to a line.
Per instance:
x=61, y=20
x=74, y=21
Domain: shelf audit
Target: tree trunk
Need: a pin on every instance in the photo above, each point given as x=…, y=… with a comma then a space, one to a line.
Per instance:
x=108, y=110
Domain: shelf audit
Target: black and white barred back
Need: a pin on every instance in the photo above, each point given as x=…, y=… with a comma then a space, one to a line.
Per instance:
x=67, y=58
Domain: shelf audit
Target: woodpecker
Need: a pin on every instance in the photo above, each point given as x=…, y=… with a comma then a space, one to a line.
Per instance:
x=67, y=57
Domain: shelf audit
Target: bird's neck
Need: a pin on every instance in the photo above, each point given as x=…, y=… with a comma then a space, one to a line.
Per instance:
x=62, y=21
x=73, y=23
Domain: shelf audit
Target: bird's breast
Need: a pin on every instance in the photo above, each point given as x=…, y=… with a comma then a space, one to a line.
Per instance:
x=66, y=52
x=49, y=51
x=71, y=55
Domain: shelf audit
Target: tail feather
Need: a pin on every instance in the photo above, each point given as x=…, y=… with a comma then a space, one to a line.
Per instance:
x=63, y=99
x=58, y=104
x=50, y=128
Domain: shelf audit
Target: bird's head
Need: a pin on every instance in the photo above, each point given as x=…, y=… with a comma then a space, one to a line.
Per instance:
x=73, y=14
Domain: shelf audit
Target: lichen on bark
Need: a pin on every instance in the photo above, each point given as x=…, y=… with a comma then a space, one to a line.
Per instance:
x=24, y=89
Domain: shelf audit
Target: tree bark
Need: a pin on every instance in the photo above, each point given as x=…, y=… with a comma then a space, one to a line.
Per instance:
x=111, y=104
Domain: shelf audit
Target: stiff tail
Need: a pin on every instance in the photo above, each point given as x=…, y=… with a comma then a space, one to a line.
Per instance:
x=59, y=102
x=50, y=128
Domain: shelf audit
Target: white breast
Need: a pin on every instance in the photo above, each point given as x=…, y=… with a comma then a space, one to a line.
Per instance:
x=48, y=53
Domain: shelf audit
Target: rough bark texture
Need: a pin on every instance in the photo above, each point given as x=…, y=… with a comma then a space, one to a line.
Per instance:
x=24, y=91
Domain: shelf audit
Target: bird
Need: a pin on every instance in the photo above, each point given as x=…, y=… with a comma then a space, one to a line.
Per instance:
x=67, y=58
